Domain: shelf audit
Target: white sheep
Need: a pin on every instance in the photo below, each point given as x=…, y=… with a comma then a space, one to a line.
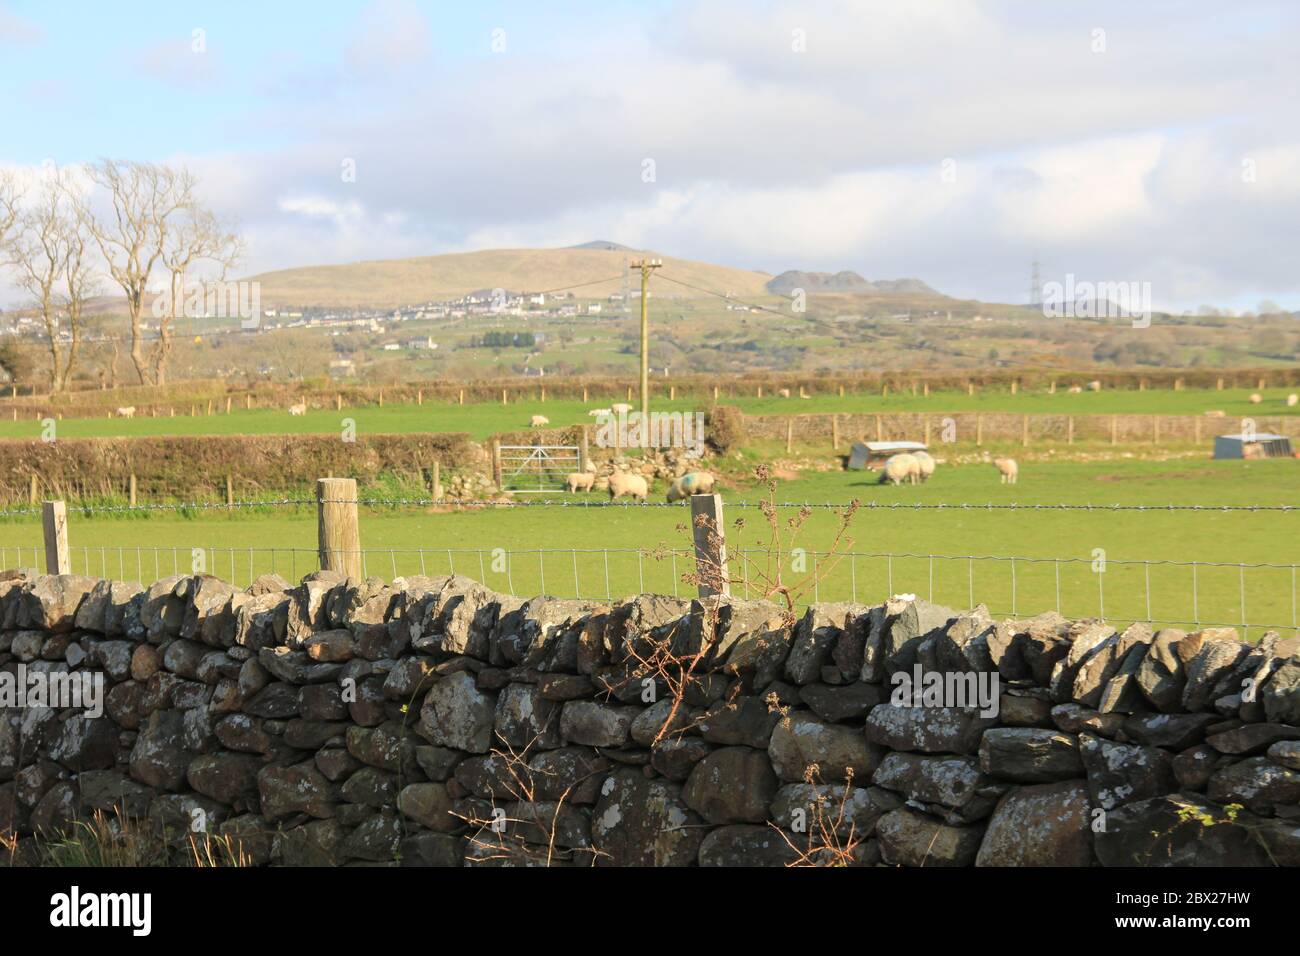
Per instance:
x=1008, y=469
x=1094, y=386
x=622, y=408
x=783, y=392
x=691, y=483
x=580, y=481
x=621, y=483
x=299, y=409
x=1256, y=398
x=1292, y=400
x=127, y=411
x=900, y=468
x=1075, y=390
x=597, y=412
x=539, y=421
x=925, y=464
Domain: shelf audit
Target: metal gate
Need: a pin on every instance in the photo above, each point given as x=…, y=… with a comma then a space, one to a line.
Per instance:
x=533, y=469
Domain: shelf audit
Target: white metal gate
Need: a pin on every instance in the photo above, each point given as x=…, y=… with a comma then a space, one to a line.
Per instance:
x=533, y=469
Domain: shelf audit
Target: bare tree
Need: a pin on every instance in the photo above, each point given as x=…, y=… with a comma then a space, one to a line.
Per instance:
x=48, y=255
x=148, y=202
x=199, y=238
x=11, y=196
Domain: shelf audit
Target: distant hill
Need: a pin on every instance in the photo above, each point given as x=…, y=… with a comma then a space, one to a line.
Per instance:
x=818, y=282
x=604, y=244
x=596, y=272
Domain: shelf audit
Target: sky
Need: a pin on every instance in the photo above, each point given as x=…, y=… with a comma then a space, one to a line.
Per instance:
x=950, y=141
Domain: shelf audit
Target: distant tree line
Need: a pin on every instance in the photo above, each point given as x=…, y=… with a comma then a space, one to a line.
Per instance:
x=503, y=340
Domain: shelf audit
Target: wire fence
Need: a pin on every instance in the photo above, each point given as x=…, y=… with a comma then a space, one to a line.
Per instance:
x=574, y=502
x=1253, y=597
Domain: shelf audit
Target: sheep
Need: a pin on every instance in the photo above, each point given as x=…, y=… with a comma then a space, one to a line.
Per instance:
x=1008, y=469
x=539, y=421
x=691, y=483
x=925, y=464
x=299, y=409
x=597, y=412
x=580, y=481
x=1256, y=398
x=900, y=468
x=1292, y=400
x=1075, y=390
x=621, y=483
x=783, y=392
x=1094, y=386
x=126, y=412
x=622, y=408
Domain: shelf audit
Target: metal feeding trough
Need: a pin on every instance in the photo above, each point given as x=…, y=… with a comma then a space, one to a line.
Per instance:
x=1257, y=445
x=871, y=455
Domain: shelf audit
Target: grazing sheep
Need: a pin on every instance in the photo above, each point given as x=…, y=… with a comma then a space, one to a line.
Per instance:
x=1094, y=386
x=597, y=412
x=1008, y=469
x=580, y=481
x=539, y=421
x=299, y=409
x=900, y=468
x=1075, y=389
x=622, y=408
x=1292, y=400
x=1256, y=398
x=126, y=412
x=691, y=483
x=621, y=483
x=925, y=464
x=783, y=392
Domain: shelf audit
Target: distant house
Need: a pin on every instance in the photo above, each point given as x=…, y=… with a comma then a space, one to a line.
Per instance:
x=392, y=347
x=416, y=345
x=593, y=309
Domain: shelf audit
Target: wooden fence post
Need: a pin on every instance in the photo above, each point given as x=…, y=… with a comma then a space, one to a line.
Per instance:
x=979, y=429
x=230, y=491
x=461, y=397
x=338, y=533
x=880, y=429
x=496, y=464
x=789, y=435
x=1196, y=429
x=1024, y=431
x=835, y=433
x=437, y=481
x=584, y=393
x=710, y=546
x=130, y=491
x=1069, y=430
x=31, y=495
x=54, y=516
x=584, y=455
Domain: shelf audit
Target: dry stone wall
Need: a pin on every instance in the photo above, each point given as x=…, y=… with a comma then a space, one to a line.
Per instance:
x=432, y=721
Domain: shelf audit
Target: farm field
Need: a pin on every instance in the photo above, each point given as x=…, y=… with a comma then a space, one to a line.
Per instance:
x=560, y=548
x=482, y=419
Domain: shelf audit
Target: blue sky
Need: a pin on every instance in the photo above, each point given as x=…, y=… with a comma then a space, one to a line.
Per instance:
x=953, y=141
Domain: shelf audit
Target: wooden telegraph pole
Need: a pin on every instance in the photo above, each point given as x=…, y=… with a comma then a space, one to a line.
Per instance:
x=646, y=266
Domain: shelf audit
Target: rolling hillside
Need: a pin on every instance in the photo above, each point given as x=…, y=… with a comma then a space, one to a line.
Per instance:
x=394, y=282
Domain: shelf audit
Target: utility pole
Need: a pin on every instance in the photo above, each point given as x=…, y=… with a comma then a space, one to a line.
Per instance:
x=646, y=266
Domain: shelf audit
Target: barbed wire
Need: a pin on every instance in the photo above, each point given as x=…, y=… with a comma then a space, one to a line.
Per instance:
x=565, y=503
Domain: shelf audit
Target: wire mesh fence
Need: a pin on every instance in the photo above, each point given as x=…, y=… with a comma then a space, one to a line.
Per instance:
x=1253, y=597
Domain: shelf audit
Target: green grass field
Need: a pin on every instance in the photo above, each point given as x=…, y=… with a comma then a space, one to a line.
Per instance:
x=483, y=419
x=560, y=550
